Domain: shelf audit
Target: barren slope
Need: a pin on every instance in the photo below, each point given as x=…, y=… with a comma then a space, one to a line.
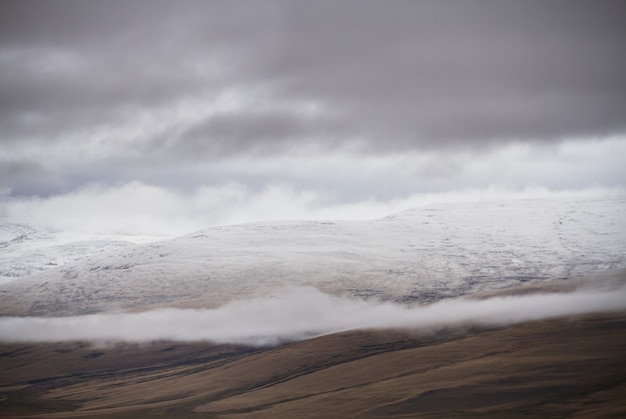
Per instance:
x=572, y=367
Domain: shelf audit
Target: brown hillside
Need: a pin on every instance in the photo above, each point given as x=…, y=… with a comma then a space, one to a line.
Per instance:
x=572, y=367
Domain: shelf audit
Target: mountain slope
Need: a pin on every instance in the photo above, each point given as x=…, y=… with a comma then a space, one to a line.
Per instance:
x=568, y=367
x=421, y=255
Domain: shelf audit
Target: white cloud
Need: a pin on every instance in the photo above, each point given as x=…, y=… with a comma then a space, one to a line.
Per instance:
x=346, y=170
x=146, y=210
x=299, y=313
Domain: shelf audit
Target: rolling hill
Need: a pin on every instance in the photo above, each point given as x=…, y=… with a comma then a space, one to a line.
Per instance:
x=567, y=367
x=418, y=256
x=421, y=259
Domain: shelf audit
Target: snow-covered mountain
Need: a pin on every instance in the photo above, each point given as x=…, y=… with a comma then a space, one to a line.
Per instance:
x=420, y=255
x=27, y=249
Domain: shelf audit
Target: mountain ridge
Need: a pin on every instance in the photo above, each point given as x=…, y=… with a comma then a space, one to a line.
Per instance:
x=416, y=256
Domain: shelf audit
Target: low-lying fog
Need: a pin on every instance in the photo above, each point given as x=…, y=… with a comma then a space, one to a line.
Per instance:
x=299, y=313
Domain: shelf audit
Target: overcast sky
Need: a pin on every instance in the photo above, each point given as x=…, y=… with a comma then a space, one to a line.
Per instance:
x=301, y=104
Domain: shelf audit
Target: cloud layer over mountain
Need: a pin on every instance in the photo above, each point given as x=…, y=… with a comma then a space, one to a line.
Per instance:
x=299, y=313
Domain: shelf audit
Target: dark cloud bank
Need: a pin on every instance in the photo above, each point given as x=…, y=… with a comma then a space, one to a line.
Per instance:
x=395, y=75
x=118, y=91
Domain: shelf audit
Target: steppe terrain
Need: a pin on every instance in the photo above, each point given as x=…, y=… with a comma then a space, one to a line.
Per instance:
x=566, y=367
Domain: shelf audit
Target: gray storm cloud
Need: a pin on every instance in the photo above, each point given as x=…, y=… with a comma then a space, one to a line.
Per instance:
x=114, y=92
x=416, y=74
x=299, y=313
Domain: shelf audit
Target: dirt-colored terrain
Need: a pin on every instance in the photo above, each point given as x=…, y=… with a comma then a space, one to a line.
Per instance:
x=573, y=367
